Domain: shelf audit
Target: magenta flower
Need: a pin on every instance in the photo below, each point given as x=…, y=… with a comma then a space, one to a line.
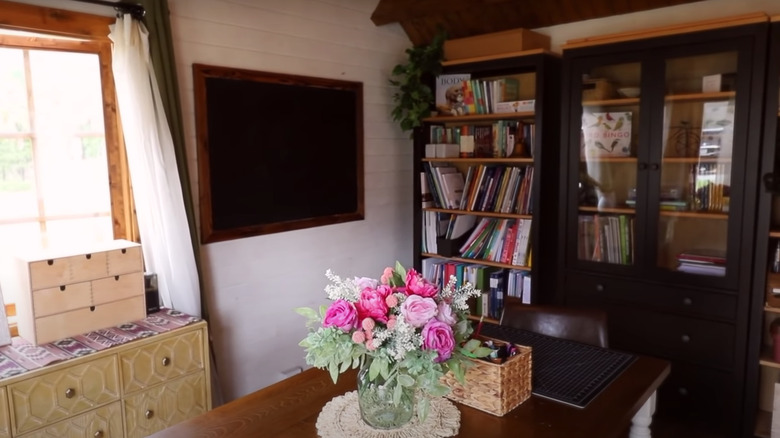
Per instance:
x=416, y=284
x=438, y=336
x=417, y=310
x=372, y=304
x=366, y=283
x=341, y=314
x=445, y=314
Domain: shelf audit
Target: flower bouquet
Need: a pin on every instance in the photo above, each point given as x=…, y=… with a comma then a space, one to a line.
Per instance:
x=404, y=332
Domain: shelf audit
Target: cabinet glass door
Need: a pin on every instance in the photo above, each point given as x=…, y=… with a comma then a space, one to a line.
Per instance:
x=696, y=171
x=608, y=163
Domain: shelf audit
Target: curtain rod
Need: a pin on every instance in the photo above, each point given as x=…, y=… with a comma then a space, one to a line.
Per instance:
x=135, y=10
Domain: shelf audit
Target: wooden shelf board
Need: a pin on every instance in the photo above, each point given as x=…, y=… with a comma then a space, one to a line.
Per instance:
x=774, y=233
x=693, y=160
x=607, y=210
x=695, y=214
x=609, y=160
x=611, y=102
x=763, y=424
x=767, y=360
x=768, y=308
x=480, y=117
x=700, y=96
x=476, y=261
x=480, y=160
x=480, y=213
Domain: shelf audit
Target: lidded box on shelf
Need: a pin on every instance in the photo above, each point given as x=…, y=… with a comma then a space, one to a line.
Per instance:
x=496, y=43
x=494, y=388
x=64, y=294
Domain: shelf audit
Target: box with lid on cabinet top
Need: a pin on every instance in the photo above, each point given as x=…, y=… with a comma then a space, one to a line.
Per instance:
x=66, y=294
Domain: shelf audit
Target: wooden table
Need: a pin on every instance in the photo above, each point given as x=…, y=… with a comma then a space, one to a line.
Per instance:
x=290, y=408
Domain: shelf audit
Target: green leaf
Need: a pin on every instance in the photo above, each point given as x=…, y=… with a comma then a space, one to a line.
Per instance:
x=307, y=312
x=472, y=345
x=423, y=407
x=482, y=352
x=397, y=394
x=373, y=370
x=405, y=380
x=334, y=371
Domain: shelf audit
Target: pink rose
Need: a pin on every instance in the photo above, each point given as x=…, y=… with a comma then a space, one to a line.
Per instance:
x=386, y=276
x=438, y=336
x=445, y=314
x=372, y=303
x=366, y=283
x=416, y=284
x=341, y=314
x=417, y=310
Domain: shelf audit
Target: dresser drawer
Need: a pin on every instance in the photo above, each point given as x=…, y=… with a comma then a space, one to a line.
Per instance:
x=53, y=327
x=118, y=287
x=103, y=422
x=160, y=361
x=67, y=270
x=61, y=298
x=687, y=301
x=157, y=408
x=670, y=336
x=5, y=420
x=51, y=397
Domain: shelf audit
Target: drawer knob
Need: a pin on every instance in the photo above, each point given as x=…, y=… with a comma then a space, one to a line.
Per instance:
x=166, y=361
x=70, y=392
x=98, y=434
x=685, y=338
x=687, y=301
x=149, y=414
x=599, y=287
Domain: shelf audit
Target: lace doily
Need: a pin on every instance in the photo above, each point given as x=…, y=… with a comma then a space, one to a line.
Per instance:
x=340, y=418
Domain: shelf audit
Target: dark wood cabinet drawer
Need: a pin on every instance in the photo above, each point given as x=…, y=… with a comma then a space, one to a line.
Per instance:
x=703, y=398
x=700, y=341
x=685, y=301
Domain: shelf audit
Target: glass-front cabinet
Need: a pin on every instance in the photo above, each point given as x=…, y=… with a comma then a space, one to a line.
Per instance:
x=662, y=143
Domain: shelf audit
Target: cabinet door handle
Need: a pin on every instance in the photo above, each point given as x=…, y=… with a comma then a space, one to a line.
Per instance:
x=70, y=392
x=599, y=287
x=685, y=338
x=654, y=166
x=98, y=434
x=683, y=391
x=149, y=414
x=642, y=166
x=687, y=301
x=166, y=361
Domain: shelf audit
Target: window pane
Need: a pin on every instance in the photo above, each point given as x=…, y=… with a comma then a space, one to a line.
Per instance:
x=54, y=188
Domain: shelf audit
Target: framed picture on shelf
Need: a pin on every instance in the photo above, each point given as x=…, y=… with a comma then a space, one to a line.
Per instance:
x=606, y=134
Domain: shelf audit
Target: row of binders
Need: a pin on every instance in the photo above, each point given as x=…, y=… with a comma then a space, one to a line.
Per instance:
x=489, y=188
x=494, y=283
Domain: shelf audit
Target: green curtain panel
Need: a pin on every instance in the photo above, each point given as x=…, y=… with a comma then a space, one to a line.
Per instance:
x=157, y=21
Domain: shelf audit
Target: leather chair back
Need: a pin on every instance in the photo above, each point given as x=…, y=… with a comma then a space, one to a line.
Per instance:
x=583, y=325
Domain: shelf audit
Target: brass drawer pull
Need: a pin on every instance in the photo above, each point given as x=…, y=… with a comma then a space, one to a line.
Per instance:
x=70, y=392
x=149, y=414
x=166, y=361
x=98, y=434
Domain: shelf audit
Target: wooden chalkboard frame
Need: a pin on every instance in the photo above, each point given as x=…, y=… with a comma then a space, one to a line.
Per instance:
x=218, y=223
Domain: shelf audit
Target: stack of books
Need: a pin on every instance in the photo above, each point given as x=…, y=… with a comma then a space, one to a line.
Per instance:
x=703, y=262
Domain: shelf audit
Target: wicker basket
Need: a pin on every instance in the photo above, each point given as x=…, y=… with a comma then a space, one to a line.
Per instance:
x=493, y=388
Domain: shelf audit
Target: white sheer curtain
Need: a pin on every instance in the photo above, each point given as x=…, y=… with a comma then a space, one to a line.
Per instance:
x=162, y=220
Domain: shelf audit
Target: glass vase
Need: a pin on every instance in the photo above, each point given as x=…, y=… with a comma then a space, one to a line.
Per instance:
x=375, y=399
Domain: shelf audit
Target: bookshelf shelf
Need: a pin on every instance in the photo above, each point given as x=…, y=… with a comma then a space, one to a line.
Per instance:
x=527, y=115
x=508, y=160
x=774, y=234
x=480, y=213
x=626, y=160
x=689, y=97
x=611, y=102
x=478, y=261
x=610, y=210
x=695, y=215
x=695, y=160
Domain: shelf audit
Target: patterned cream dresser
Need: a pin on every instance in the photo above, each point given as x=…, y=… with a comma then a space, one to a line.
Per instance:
x=128, y=390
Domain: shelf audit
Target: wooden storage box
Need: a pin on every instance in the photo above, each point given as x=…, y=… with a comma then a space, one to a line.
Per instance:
x=62, y=295
x=508, y=41
x=598, y=89
x=494, y=388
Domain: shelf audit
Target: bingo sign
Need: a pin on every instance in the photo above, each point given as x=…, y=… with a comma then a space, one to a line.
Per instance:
x=607, y=134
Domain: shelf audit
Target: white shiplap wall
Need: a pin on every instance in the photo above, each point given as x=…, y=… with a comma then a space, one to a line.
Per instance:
x=253, y=284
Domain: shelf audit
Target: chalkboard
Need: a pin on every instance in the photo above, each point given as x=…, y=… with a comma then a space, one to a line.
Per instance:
x=276, y=152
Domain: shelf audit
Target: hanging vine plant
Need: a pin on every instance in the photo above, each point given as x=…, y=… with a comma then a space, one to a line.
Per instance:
x=414, y=97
